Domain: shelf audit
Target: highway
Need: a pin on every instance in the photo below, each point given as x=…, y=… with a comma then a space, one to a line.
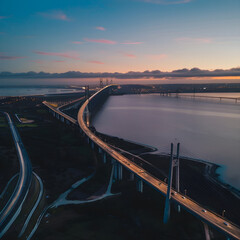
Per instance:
x=14, y=204
x=56, y=110
x=211, y=218
x=40, y=195
x=191, y=206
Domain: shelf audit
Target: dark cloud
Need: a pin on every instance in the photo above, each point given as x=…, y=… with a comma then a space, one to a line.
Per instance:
x=194, y=72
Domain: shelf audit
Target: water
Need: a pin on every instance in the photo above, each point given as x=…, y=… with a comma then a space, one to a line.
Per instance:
x=206, y=130
x=28, y=91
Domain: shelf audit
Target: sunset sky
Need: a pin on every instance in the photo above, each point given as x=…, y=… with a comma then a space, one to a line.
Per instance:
x=118, y=35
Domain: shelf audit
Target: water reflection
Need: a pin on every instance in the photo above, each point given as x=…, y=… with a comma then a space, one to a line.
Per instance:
x=206, y=130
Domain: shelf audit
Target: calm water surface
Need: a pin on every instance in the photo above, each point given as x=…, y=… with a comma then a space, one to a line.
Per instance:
x=28, y=91
x=206, y=130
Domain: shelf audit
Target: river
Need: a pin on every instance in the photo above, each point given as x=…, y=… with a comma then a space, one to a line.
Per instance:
x=30, y=91
x=207, y=130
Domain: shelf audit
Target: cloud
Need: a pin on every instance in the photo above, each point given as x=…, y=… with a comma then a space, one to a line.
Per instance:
x=37, y=61
x=130, y=55
x=77, y=42
x=5, y=57
x=101, y=28
x=105, y=41
x=44, y=61
x=4, y=17
x=132, y=43
x=157, y=56
x=194, y=40
x=28, y=36
x=58, y=15
x=166, y=2
x=194, y=72
x=71, y=55
x=95, y=62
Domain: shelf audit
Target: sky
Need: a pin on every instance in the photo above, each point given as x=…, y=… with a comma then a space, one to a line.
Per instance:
x=118, y=35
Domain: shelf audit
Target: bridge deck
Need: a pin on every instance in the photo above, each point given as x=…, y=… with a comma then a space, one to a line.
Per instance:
x=191, y=206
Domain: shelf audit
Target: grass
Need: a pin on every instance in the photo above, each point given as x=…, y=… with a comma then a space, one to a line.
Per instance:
x=19, y=125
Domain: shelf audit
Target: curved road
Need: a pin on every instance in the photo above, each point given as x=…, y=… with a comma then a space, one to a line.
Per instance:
x=211, y=218
x=14, y=204
x=191, y=206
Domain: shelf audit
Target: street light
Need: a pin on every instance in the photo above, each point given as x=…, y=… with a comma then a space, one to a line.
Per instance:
x=223, y=213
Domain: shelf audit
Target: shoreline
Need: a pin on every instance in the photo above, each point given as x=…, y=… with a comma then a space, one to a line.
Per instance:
x=210, y=168
x=200, y=177
x=64, y=92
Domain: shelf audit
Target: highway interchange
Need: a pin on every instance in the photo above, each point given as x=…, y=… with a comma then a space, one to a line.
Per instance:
x=14, y=204
x=191, y=206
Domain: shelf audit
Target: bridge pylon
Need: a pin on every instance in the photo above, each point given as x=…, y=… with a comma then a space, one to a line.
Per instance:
x=174, y=162
x=87, y=112
x=100, y=83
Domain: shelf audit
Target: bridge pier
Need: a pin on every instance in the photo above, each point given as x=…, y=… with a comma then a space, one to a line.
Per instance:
x=206, y=230
x=120, y=171
x=115, y=173
x=140, y=185
x=104, y=157
x=131, y=177
x=92, y=144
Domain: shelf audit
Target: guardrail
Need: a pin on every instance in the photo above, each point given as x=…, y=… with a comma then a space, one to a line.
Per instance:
x=13, y=207
x=213, y=219
x=72, y=120
x=193, y=207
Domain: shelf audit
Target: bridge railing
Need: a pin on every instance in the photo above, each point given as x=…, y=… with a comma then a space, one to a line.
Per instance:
x=194, y=207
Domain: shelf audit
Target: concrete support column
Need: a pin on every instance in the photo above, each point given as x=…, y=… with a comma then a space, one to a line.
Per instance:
x=139, y=185
x=131, y=177
x=104, y=157
x=120, y=171
x=115, y=171
x=92, y=144
x=206, y=230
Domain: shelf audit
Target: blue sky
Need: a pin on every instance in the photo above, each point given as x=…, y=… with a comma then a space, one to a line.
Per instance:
x=118, y=35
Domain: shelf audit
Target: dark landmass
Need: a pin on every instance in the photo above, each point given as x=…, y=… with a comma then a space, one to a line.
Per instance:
x=121, y=143
x=60, y=156
x=177, y=88
x=198, y=178
x=194, y=72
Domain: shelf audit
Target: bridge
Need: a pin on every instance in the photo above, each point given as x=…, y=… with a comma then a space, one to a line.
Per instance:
x=14, y=205
x=120, y=162
x=235, y=99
